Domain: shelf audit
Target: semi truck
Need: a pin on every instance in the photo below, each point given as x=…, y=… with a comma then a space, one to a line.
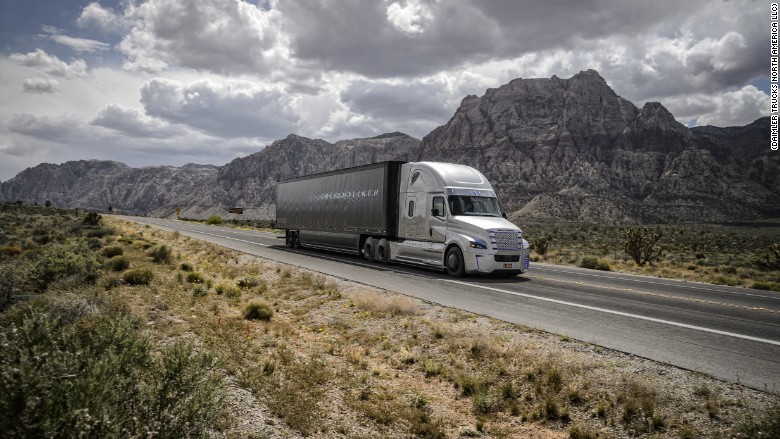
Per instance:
x=438, y=215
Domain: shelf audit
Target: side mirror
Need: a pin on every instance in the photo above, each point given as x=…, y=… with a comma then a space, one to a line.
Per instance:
x=435, y=212
x=503, y=214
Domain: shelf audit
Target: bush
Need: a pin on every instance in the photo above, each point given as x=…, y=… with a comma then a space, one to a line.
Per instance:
x=110, y=252
x=258, y=311
x=214, y=220
x=186, y=266
x=118, y=263
x=228, y=290
x=161, y=254
x=73, y=262
x=200, y=291
x=139, y=276
x=93, y=375
x=769, y=286
x=92, y=219
x=589, y=262
x=768, y=425
x=194, y=277
x=642, y=245
x=541, y=244
x=249, y=282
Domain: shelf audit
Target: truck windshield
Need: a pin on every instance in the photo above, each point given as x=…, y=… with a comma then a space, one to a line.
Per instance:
x=475, y=206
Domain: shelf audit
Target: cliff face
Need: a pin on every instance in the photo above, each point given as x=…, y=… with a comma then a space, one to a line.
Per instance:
x=555, y=149
x=571, y=149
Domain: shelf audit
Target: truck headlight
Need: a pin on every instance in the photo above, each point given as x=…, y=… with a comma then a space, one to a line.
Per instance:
x=478, y=244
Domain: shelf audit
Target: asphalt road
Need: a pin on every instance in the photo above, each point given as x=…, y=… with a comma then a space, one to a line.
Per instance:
x=730, y=333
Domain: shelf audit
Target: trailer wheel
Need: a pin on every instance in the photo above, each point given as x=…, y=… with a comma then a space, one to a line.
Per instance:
x=368, y=249
x=288, y=239
x=454, y=262
x=383, y=251
x=296, y=240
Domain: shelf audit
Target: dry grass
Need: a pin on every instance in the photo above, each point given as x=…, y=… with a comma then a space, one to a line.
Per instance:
x=344, y=360
x=721, y=254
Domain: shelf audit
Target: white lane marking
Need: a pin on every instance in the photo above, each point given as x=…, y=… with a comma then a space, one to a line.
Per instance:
x=620, y=313
x=681, y=285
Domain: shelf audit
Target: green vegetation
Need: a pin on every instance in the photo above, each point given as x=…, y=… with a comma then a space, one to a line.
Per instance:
x=139, y=276
x=73, y=361
x=747, y=255
x=214, y=220
x=258, y=311
x=161, y=254
x=104, y=353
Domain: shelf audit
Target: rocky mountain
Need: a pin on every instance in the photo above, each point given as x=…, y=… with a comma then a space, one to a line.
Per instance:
x=573, y=150
x=563, y=149
x=199, y=190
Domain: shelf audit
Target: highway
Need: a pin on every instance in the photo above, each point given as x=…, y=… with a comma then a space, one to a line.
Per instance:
x=730, y=333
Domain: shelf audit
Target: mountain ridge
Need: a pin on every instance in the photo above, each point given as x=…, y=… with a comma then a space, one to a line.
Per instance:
x=563, y=149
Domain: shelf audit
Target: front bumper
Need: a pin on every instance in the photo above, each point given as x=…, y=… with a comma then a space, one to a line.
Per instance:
x=484, y=261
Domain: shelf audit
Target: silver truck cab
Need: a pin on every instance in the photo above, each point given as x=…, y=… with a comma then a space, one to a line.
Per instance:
x=449, y=218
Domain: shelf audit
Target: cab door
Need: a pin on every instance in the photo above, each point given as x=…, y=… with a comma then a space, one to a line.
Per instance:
x=437, y=218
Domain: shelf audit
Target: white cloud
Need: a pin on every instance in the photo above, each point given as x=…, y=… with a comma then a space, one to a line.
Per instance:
x=223, y=36
x=77, y=44
x=228, y=109
x=412, y=18
x=50, y=64
x=104, y=18
x=134, y=123
x=40, y=85
x=730, y=108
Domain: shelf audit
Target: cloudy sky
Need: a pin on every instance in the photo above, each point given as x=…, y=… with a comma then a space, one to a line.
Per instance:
x=149, y=82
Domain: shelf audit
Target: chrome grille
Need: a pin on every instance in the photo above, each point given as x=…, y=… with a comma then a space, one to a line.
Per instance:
x=504, y=240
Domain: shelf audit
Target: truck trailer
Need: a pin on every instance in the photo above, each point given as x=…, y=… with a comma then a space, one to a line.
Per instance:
x=438, y=215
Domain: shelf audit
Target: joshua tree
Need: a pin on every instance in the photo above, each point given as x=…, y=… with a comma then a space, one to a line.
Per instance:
x=642, y=245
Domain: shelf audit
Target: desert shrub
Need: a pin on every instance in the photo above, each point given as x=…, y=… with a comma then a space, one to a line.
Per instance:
x=214, y=220
x=93, y=376
x=589, y=262
x=110, y=252
x=580, y=431
x=162, y=254
x=771, y=258
x=726, y=280
x=73, y=262
x=111, y=282
x=139, y=276
x=186, y=266
x=249, y=282
x=92, y=219
x=200, y=291
x=642, y=245
x=769, y=286
x=485, y=402
x=541, y=244
x=194, y=277
x=118, y=263
x=258, y=311
x=228, y=290
x=767, y=425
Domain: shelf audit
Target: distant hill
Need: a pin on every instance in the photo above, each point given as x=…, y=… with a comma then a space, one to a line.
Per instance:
x=560, y=149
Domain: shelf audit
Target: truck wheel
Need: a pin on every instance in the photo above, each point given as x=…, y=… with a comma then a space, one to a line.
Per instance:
x=296, y=240
x=454, y=262
x=383, y=251
x=368, y=249
x=288, y=239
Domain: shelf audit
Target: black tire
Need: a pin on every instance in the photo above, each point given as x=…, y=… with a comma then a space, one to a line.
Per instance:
x=288, y=239
x=383, y=251
x=454, y=262
x=296, y=240
x=368, y=249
